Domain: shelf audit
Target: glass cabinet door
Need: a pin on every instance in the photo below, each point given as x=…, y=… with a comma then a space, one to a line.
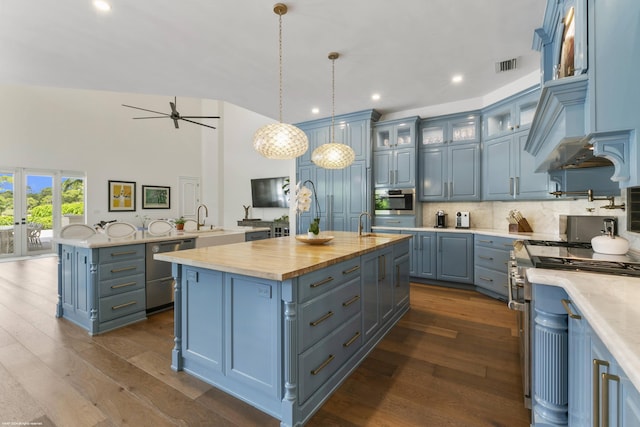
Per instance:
x=434, y=133
x=384, y=135
x=465, y=129
x=499, y=122
x=404, y=135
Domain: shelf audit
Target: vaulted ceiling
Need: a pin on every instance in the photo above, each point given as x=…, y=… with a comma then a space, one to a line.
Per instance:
x=406, y=51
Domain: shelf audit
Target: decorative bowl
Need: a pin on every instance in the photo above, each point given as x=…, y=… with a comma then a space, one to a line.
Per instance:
x=320, y=240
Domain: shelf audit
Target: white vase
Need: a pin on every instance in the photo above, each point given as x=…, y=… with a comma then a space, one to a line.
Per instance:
x=310, y=235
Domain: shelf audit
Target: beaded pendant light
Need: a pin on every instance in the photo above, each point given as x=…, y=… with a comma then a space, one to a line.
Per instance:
x=280, y=140
x=333, y=155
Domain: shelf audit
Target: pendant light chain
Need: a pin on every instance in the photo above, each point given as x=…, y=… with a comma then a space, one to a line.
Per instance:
x=333, y=98
x=280, y=59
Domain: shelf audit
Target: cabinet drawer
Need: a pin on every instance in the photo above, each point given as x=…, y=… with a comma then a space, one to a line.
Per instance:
x=504, y=243
x=322, y=315
x=492, y=280
x=120, y=253
x=496, y=259
x=121, y=269
x=318, y=363
x=321, y=281
x=121, y=285
x=122, y=304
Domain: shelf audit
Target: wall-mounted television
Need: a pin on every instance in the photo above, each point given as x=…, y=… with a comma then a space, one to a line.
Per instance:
x=268, y=193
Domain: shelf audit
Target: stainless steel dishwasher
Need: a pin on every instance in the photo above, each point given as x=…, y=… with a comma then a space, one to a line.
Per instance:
x=159, y=281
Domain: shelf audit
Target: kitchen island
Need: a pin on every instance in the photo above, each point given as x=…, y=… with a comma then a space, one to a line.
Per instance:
x=279, y=323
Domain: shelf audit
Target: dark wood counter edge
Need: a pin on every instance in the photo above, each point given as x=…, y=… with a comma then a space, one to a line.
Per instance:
x=182, y=257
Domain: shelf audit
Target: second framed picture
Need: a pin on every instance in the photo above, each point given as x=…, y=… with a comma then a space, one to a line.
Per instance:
x=156, y=197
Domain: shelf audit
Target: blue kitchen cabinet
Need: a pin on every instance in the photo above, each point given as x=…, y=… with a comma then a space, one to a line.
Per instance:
x=491, y=256
x=592, y=107
x=344, y=193
x=508, y=170
x=394, y=153
x=455, y=257
x=423, y=254
x=576, y=381
x=401, y=267
x=449, y=158
x=377, y=290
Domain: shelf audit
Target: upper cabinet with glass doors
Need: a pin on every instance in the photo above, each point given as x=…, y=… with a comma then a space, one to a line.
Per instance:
x=395, y=134
x=459, y=128
x=508, y=117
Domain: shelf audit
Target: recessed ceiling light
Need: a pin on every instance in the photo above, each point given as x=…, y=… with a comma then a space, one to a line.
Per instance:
x=315, y=110
x=375, y=96
x=102, y=5
x=457, y=78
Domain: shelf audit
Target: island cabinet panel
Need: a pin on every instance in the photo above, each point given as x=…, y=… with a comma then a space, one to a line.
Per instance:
x=320, y=281
x=202, y=335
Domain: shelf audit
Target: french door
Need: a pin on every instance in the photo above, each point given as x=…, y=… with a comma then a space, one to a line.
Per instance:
x=34, y=205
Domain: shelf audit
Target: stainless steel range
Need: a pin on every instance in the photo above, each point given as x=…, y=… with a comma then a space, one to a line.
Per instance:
x=559, y=255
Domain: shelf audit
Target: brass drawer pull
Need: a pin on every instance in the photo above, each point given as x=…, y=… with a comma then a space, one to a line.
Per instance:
x=486, y=279
x=120, y=270
x=605, y=396
x=565, y=304
x=322, y=319
x=489, y=258
x=126, y=304
x=352, y=340
x=597, y=363
x=351, y=270
x=351, y=301
x=485, y=241
x=123, y=285
x=324, y=365
x=322, y=282
x=123, y=253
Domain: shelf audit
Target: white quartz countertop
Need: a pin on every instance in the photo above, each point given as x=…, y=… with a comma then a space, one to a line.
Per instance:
x=101, y=240
x=483, y=231
x=611, y=305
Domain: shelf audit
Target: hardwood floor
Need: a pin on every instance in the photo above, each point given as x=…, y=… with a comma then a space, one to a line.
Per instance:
x=451, y=361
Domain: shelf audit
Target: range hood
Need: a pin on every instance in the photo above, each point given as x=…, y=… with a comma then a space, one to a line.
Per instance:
x=560, y=136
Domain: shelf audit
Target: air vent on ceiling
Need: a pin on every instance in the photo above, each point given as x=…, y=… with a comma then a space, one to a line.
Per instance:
x=508, y=65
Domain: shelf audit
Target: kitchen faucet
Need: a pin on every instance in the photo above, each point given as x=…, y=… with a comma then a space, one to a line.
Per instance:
x=206, y=214
x=360, y=222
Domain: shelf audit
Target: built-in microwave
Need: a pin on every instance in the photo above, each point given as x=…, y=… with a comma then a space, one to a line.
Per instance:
x=391, y=201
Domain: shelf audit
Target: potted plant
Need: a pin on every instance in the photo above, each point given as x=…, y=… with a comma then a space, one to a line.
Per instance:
x=314, y=228
x=179, y=222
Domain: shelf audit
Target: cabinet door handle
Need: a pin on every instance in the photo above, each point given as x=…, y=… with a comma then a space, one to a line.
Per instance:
x=605, y=396
x=323, y=365
x=565, y=304
x=322, y=319
x=352, y=340
x=485, y=241
x=597, y=363
x=390, y=176
x=351, y=270
x=126, y=304
x=450, y=188
x=351, y=301
x=511, y=186
x=517, y=185
x=322, y=282
x=397, y=276
x=486, y=279
x=488, y=258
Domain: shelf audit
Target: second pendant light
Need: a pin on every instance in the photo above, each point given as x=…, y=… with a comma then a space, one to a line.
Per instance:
x=333, y=155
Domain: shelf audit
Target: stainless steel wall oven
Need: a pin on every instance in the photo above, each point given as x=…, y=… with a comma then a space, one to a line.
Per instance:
x=392, y=201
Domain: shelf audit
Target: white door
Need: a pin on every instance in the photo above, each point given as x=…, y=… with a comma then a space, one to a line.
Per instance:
x=188, y=196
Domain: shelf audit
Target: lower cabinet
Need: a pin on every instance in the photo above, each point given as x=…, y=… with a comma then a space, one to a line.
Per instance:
x=102, y=288
x=491, y=256
x=377, y=291
x=576, y=380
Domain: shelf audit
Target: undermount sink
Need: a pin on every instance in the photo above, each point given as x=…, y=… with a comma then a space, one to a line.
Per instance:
x=205, y=229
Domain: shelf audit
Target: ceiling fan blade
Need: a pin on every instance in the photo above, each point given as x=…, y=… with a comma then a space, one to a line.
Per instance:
x=201, y=117
x=197, y=123
x=175, y=123
x=144, y=109
x=154, y=117
x=173, y=107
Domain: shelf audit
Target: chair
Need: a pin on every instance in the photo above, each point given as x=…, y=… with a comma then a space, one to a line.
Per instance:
x=33, y=234
x=190, y=225
x=159, y=227
x=77, y=231
x=120, y=229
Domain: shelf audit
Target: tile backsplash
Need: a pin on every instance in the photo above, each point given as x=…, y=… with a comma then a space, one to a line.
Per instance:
x=543, y=216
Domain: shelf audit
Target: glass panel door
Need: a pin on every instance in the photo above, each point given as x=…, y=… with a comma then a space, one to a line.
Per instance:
x=7, y=208
x=38, y=207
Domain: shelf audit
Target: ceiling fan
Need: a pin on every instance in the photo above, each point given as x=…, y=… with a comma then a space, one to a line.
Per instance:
x=174, y=115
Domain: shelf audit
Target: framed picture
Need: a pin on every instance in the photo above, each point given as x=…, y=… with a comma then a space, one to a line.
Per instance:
x=154, y=197
x=122, y=196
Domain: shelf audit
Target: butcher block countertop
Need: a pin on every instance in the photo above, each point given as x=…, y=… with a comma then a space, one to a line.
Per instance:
x=284, y=257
